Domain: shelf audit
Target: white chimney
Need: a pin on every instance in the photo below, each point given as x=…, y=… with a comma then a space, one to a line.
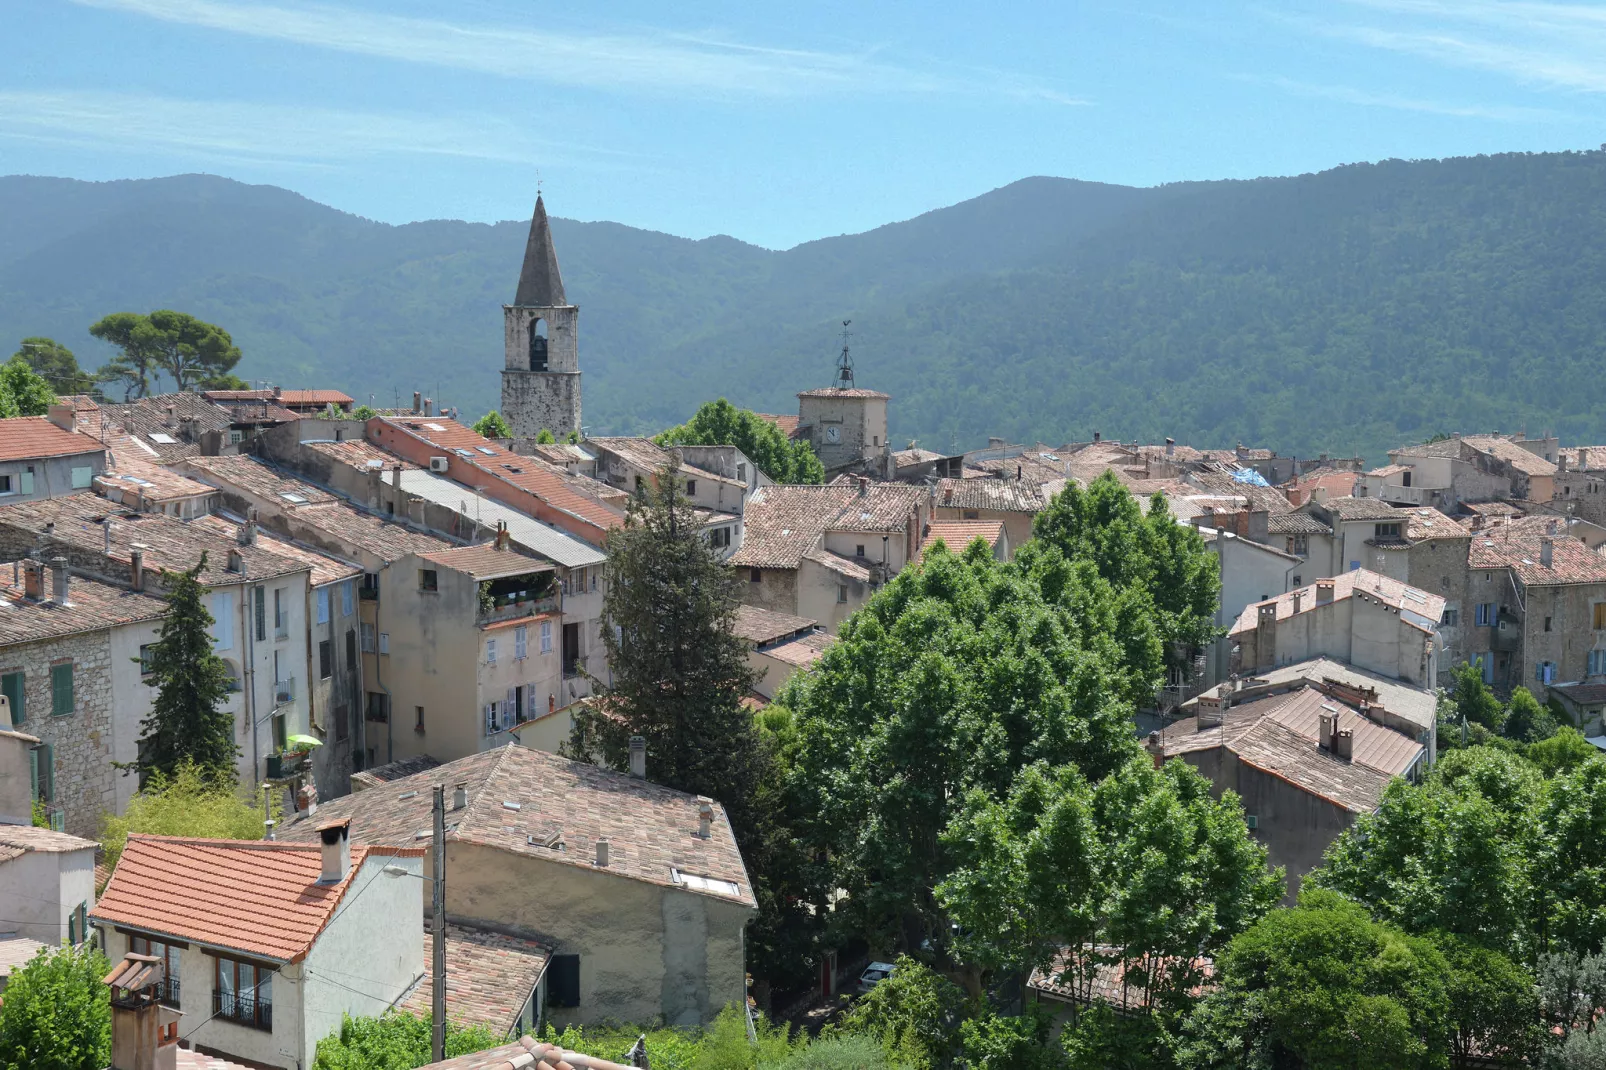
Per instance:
x=336, y=836
x=638, y=757
x=705, y=817
x=459, y=796
x=61, y=579
x=602, y=850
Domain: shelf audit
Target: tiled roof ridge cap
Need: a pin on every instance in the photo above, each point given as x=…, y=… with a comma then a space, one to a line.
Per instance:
x=219, y=841
x=472, y=807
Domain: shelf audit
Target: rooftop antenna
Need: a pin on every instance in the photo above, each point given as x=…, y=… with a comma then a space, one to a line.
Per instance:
x=844, y=363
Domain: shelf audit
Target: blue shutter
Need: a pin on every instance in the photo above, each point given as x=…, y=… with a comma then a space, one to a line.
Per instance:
x=1488, y=668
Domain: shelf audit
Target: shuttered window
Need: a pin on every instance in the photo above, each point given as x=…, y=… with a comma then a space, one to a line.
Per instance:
x=61, y=696
x=11, y=688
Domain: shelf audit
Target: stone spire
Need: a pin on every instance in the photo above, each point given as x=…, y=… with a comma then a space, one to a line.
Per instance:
x=540, y=285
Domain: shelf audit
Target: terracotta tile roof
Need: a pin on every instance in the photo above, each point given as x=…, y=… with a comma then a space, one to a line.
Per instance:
x=640, y=452
x=256, y=897
x=1517, y=546
x=525, y=1054
x=135, y=474
x=1373, y=585
x=1511, y=453
x=1109, y=984
x=1492, y=509
x=1361, y=509
x=652, y=829
x=1444, y=447
x=1296, y=523
x=24, y=438
x=908, y=458
x=785, y=521
x=383, y=537
x=314, y=397
x=1583, y=693
x=802, y=651
x=833, y=392
x=486, y=562
x=787, y=424
x=760, y=626
x=959, y=534
x=258, y=478
x=985, y=492
x=91, y=606
x=147, y=418
x=1336, y=481
x=325, y=567
x=189, y=1059
x=527, y=473
x=1220, y=481
x=1585, y=458
x=1424, y=523
x=1418, y=705
x=170, y=543
x=489, y=978
x=358, y=453
x=17, y=951
x=383, y=774
x=846, y=567
x=46, y=841
x=1390, y=470
x=237, y=395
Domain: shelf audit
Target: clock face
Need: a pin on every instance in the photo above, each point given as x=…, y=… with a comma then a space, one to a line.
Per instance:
x=833, y=434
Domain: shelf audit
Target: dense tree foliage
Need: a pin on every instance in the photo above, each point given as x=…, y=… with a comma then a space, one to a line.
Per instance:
x=57, y=1012
x=56, y=365
x=394, y=1041
x=187, y=724
x=189, y=351
x=719, y=423
x=187, y=804
x=492, y=425
x=23, y=392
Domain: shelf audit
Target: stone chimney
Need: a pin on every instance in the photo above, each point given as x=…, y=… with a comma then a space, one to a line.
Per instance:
x=395, y=476
x=144, y=1033
x=247, y=535
x=1266, y=635
x=1318, y=494
x=459, y=796
x=33, y=579
x=1344, y=743
x=136, y=566
x=429, y=406
x=336, y=837
x=418, y=402
x=1547, y=550
x=947, y=495
x=864, y=486
x=602, y=850
x=705, y=817
x=1155, y=745
x=1210, y=711
x=1324, y=592
x=1328, y=722
x=638, y=757
x=1170, y=447
x=61, y=581
x=1561, y=460
x=63, y=416
x=172, y=416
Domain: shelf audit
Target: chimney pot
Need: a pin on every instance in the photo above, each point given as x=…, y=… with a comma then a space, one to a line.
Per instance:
x=1328, y=721
x=602, y=850
x=136, y=566
x=336, y=837
x=705, y=817
x=1299, y=598
x=395, y=476
x=1097, y=436
x=172, y=415
x=460, y=796
x=418, y=402
x=62, y=580
x=33, y=579
x=429, y=406
x=63, y=416
x=1547, y=547
x=638, y=757
x=1324, y=592
x=1343, y=742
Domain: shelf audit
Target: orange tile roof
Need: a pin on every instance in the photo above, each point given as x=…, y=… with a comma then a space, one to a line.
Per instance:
x=529, y=474
x=314, y=397
x=958, y=534
x=787, y=424
x=489, y=978
x=255, y=897
x=527, y=1053
x=23, y=438
x=486, y=562
x=326, y=568
x=1516, y=546
x=358, y=453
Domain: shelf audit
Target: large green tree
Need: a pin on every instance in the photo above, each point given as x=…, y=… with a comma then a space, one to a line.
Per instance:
x=23, y=392
x=719, y=423
x=190, y=351
x=187, y=724
x=57, y=1014
x=56, y=364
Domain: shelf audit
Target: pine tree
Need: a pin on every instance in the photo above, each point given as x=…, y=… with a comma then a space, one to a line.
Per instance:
x=186, y=724
x=679, y=674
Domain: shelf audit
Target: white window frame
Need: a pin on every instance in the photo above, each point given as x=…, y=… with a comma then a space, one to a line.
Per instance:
x=546, y=637
x=490, y=651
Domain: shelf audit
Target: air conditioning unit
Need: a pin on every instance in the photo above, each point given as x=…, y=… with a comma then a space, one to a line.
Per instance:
x=438, y=464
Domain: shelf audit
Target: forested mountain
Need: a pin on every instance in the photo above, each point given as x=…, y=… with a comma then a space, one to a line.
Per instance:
x=1347, y=310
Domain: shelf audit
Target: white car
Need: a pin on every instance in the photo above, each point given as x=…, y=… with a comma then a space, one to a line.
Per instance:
x=873, y=975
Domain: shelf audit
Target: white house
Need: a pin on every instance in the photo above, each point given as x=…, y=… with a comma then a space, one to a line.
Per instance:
x=266, y=945
x=47, y=884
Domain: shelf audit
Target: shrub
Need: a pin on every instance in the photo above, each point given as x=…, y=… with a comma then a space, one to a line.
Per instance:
x=57, y=1014
x=394, y=1041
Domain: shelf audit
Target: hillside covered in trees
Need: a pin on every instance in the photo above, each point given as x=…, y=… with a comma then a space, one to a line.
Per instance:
x=1348, y=310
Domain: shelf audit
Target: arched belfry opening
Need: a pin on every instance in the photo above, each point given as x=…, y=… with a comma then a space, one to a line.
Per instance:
x=538, y=346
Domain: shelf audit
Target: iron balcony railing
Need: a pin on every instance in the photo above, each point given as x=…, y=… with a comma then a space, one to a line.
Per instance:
x=239, y=1007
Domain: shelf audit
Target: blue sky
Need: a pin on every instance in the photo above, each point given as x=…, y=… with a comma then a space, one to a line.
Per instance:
x=775, y=123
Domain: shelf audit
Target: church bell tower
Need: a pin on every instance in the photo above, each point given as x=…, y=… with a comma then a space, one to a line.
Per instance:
x=541, y=373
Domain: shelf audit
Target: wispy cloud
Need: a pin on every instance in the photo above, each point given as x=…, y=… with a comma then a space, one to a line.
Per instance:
x=652, y=61
x=240, y=130
x=1350, y=95
x=1554, y=45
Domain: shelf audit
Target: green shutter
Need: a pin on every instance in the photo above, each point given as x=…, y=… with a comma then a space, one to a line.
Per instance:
x=11, y=687
x=61, y=702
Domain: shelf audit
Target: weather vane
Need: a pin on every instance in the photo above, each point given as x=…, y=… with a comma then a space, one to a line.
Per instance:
x=844, y=363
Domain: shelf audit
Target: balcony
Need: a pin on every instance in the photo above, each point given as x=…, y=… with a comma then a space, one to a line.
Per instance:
x=518, y=596
x=286, y=766
x=368, y=594
x=573, y=667
x=167, y=992
x=284, y=692
x=244, y=1009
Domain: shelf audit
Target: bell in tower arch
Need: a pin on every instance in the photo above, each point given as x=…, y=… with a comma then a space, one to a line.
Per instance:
x=538, y=346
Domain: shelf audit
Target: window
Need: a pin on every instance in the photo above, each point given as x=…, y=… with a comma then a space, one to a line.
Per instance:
x=490, y=651
x=546, y=637
x=281, y=732
x=858, y=550
x=563, y=981
x=351, y=650
x=1547, y=624
x=326, y=659
x=521, y=642
x=538, y=350
x=261, y=598
x=1545, y=671
x=691, y=487
x=1599, y=610
x=243, y=992
x=1597, y=663
x=1485, y=615
x=427, y=580
x=492, y=719
x=367, y=637
x=755, y=576
x=42, y=772
x=347, y=592
x=11, y=688
x=418, y=725
x=705, y=884
x=1386, y=531
x=61, y=696
x=83, y=476
x=370, y=587
x=378, y=706
x=719, y=538
x=594, y=579
x=281, y=624
x=1405, y=479
x=1451, y=618
x=146, y=651
x=841, y=593
x=741, y=471
x=1301, y=545
x=970, y=514
x=168, y=993
x=323, y=605
x=1296, y=582
x=78, y=925
x=384, y=642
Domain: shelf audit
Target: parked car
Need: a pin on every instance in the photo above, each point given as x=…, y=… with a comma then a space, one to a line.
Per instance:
x=873, y=975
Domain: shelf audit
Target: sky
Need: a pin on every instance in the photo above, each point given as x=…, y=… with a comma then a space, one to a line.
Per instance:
x=775, y=123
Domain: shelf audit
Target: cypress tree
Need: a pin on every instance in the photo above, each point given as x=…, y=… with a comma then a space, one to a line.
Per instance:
x=191, y=682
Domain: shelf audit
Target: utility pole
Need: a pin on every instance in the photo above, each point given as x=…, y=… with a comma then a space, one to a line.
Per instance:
x=438, y=928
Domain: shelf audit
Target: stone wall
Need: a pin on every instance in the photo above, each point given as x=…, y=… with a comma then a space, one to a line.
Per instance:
x=536, y=401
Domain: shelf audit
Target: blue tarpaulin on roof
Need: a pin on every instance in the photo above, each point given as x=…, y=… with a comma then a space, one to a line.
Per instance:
x=1250, y=476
